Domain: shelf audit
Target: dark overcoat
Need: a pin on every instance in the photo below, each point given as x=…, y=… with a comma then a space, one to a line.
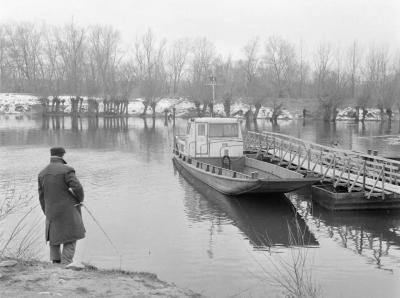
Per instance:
x=59, y=193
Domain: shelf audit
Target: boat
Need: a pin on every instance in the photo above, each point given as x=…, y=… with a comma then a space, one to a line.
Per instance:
x=212, y=152
x=264, y=223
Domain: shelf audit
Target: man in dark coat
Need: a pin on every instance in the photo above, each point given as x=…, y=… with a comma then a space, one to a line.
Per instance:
x=60, y=193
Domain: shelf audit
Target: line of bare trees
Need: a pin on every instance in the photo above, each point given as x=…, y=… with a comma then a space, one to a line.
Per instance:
x=93, y=61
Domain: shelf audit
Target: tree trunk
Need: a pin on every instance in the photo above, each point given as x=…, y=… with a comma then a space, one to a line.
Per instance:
x=357, y=116
x=364, y=113
x=274, y=117
x=153, y=107
x=227, y=107
x=382, y=113
x=327, y=112
x=197, y=105
x=333, y=113
x=211, y=107
x=258, y=107
x=389, y=113
x=146, y=105
x=203, y=112
x=166, y=117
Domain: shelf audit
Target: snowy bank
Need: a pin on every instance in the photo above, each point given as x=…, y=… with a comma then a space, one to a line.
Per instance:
x=16, y=103
x=350, y=113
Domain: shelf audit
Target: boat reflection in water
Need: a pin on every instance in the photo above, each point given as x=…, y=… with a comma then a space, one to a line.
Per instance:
x=374, y=235
x=266, y=220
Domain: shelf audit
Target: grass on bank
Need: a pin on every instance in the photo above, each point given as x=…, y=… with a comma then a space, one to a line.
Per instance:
x=20, y=231
x=293, y=275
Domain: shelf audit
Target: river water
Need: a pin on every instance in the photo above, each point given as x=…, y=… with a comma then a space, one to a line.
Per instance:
x=193, y=236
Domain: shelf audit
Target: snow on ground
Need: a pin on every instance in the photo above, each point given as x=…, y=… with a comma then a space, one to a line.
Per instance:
x=135, y=107
x=13, y=103
x=349, y=113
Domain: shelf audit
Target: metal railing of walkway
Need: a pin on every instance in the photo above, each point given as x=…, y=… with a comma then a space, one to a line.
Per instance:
x=348, y=168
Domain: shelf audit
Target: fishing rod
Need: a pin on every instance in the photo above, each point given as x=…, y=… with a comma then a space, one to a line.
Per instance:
x=104, y=232
x=101, y=228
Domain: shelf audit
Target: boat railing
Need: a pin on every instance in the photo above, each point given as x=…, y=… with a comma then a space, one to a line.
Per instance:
x=210, y=168
x=352, y=167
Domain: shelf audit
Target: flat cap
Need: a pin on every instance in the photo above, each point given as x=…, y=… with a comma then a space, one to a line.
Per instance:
x=57, y=151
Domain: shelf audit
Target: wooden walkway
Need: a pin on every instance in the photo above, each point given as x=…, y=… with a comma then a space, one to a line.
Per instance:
x=354, y=170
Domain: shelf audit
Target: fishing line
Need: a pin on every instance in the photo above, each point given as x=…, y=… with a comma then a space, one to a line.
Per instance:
x=104, y=232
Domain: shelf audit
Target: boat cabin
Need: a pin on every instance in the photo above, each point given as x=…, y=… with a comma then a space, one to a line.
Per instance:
x=211, y=137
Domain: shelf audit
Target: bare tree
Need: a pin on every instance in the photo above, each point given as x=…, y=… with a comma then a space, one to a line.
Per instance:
x=149, y=59
x=280, y=57
x=253, y=85
x=230, y=80
x=51, y=65
x=178, y=56
x=354, y=59
x=330, y=81
x=103, y=44
x=3, y=57
x=322, y=63
x=302, y=71
x=24, y=41
x=379, y=80
x=71, y=46
x=200, y=70
x=252, y=59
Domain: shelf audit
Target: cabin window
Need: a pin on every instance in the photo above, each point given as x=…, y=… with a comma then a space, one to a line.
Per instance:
x=224, y=130
x=201, y=130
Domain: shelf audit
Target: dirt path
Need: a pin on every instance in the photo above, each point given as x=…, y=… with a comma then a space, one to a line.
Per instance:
x=39, y=279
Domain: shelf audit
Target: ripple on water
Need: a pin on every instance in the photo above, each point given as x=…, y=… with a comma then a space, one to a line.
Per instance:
x=192, y=235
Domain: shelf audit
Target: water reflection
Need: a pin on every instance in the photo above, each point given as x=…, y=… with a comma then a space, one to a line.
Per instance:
x=147, y=137
x=371, y=234
x=265, y=220
x=125, y=165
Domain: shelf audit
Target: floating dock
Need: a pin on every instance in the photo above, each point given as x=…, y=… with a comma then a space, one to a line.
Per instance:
x=349, y=180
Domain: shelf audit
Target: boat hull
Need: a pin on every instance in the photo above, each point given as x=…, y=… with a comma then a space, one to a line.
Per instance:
x=236, y=186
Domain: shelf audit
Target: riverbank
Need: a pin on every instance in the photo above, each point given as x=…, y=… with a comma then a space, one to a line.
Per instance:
x=42, y=279
x=293, y=108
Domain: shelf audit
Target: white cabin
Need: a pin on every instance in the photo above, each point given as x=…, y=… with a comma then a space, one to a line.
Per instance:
x=211, y=137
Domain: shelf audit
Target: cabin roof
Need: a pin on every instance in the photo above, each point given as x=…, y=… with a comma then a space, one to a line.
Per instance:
x=215, y=120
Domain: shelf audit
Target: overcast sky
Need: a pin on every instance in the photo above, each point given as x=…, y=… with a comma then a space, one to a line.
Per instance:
x=229, y=24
